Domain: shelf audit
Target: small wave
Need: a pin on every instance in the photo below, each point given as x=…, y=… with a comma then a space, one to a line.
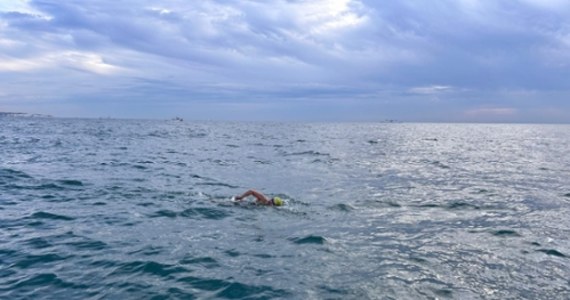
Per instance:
x=429, y=205
x=13, y=174
x=206, y=262
x=43, y=259
x=50, y=216
x=198, y=135
x=149, y=251
x=164, y=213
x=145, y=162
x=310, y=239
x=206, y=284
x=440, y=165
x=238, y=290
x=44, y=279
x=217, y=184
x=461, y=206
x=324, y=161
x=148, y=267
x=334, y=291
x=233, y=290
x=193, y=213
x=219, y=162
x=6, y=273
x=207, y=181
x=446, y=293
x=70, y=182
x=159, y=133
x=481, y=191
x=41, y=187
x=264, y=256
x=505, y=233
x=204, y=212
x=232, y=253
x=455, y=205
x=392, y=203
x=552, y=252
x=104, y=263
x=88, y=245
x=307, y=153
x=343, y=207
x=48, y=186
x=38, y=243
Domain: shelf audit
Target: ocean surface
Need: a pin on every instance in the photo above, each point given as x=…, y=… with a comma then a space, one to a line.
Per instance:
x=140, y=209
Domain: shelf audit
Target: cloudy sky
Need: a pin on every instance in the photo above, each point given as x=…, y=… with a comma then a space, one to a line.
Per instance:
x=321, y=60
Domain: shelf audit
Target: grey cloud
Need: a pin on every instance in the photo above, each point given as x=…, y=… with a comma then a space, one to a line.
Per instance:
x=279, y=50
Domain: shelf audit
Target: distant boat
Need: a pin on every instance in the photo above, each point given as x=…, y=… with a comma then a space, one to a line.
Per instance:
x=178, y=119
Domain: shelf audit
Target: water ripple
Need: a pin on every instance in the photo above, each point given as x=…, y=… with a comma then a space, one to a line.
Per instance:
x=193, y=213
x=50, y=216
x=310, y=239
x=147, y=267
x=138, y=209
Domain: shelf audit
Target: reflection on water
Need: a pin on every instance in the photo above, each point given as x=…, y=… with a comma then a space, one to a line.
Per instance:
x=93, y=209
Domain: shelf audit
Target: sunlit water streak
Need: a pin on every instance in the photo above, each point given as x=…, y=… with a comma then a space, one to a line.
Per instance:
x=115, y=209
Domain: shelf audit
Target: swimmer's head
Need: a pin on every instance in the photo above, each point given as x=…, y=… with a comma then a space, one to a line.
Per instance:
x=277, y=201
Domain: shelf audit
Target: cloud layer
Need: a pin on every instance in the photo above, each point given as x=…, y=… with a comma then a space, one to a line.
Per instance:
x=441, y=60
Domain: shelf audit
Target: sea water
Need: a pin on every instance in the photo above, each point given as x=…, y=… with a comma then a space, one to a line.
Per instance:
x=139, y=209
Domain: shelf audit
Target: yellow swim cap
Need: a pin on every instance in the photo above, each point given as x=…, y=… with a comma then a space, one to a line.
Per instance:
x=277, y=201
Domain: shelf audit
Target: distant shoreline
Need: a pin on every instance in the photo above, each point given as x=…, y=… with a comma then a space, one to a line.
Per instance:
x=23, y=115
x=180, y=119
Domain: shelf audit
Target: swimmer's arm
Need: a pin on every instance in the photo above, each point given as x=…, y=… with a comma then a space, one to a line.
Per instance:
x=259, y=196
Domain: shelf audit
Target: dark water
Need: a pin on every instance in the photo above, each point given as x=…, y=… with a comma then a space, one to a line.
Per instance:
x=109, y=209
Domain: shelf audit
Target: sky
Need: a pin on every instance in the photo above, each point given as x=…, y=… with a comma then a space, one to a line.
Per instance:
x=288, y=60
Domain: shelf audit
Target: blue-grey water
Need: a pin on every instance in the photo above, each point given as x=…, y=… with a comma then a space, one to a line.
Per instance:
x=128, y=209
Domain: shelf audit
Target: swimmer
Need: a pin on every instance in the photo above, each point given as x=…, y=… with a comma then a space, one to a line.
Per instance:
x=260, y=198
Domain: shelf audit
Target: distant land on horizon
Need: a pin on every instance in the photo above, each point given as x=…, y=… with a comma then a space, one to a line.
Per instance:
x=21, y=114
x=179, y=119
